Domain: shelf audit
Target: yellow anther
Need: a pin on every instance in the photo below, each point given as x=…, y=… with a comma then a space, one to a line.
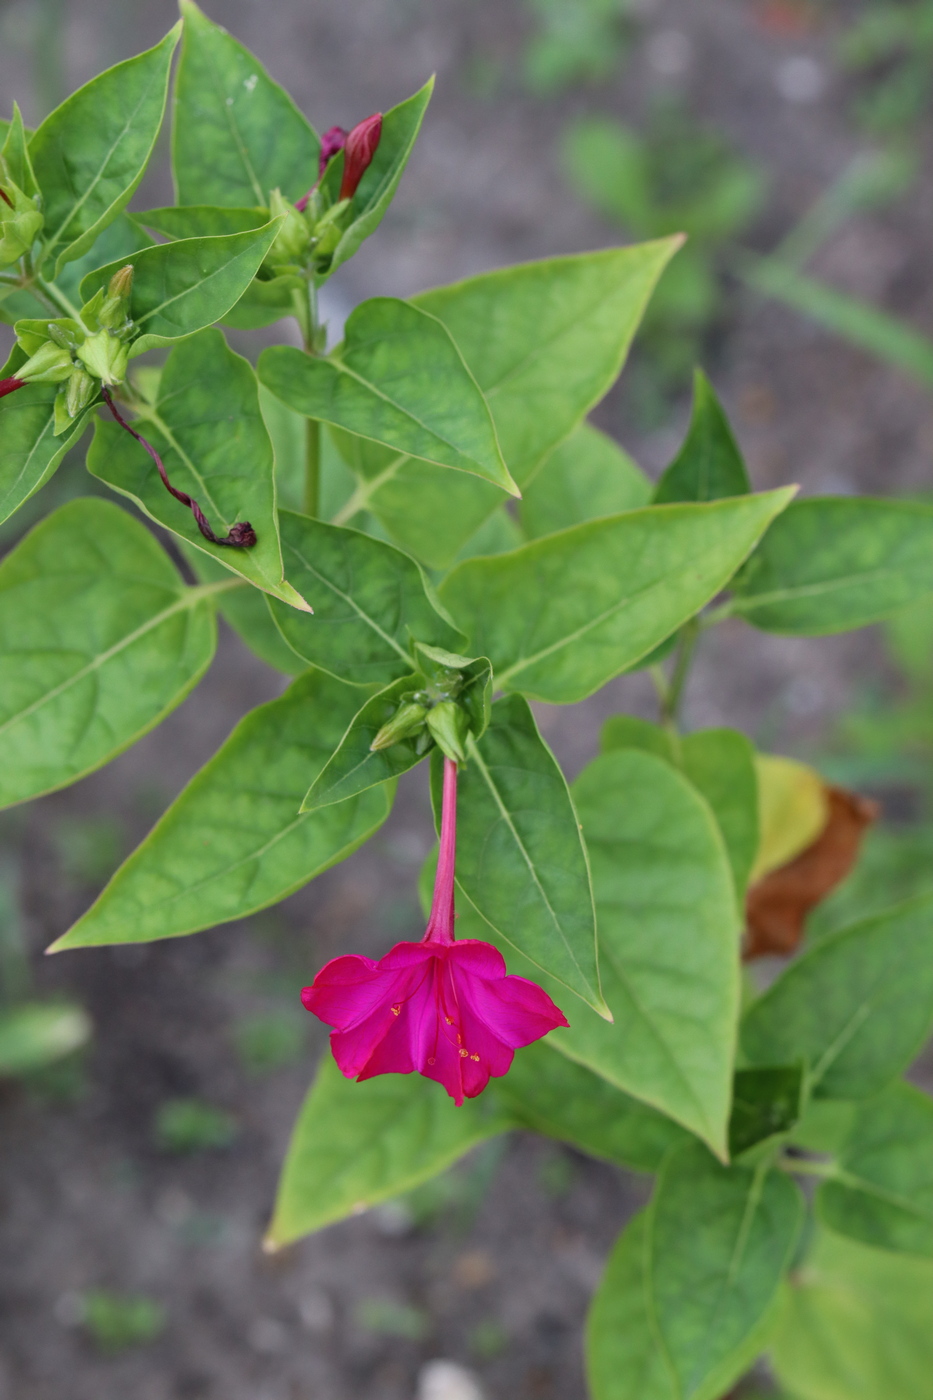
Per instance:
x=464, y=1053
x=396, y=1010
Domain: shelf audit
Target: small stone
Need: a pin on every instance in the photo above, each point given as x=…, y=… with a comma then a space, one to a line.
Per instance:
x=447, y=1380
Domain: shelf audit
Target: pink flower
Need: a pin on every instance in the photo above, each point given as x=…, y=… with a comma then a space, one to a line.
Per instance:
x=446, y=1009
x=358, y=153
x=9, y=386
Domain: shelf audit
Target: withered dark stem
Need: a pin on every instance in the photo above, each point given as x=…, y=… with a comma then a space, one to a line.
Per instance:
x=241, y=535
x=6, y=198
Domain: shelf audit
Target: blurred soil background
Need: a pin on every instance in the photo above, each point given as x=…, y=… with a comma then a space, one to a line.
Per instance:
x=136, y=1177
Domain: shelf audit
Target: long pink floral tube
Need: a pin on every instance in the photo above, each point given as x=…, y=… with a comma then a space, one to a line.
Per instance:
x=441, y=1008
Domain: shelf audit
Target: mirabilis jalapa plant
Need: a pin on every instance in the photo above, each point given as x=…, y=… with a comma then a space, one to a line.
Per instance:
x=421, y=529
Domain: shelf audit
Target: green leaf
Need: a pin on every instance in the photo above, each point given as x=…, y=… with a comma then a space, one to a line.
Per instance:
x=353, y=767
x=233, y=841
x=709, y=464
x=563, y=615
x=668, y=943
x=35, y=1034
x=370, y=602
x=400, y=127
x=624, y=1360
x=207, y=427
x=837, y=562
x=858, y=1006
x=236, y=135
x=545, y=341
x=765, y=1102
x=29, y=451
x=14, y=153
x=355, y=1145
x=100, y=639
x=883, y=1192
x=584, y=478
x=92, y=151
x=520, y=859
x=399, y=380
x=120, y=241
x=547, y=1093
x=721, y=765
x=179, y=288
x=247, y=611
x=201, y=220
x=856, y=1325
x=719, y=1240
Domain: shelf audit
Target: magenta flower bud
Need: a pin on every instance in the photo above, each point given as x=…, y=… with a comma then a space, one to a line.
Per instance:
x=10, y=386
x=333, y=140
x=445, y=1009
x=358, y=153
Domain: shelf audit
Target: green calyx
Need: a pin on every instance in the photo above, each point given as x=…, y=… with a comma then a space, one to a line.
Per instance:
x=448, y=726
x=20, y=221
x=408, y=720
x=105, y=356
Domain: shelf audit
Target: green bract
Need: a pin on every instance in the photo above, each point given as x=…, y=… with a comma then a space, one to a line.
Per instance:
x=421, y=532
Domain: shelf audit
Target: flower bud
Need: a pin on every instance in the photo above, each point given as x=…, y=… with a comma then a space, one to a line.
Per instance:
x=79, y=391
x=449, y=727
x=20, y=223
x=408, y=719
x=291, y=241
x=114, y=312
x=105, y=356
x=51, y=364
x=333, y=140
x=358, y=153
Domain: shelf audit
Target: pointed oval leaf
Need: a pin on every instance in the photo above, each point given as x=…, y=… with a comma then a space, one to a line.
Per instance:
x=353, y=767
x=207, y=427
x=857, y=1007
x=376, y=190
x=668, y=940
x=355, y=1145
x=588, y=476
x=709, y=464
x=247, y=611
x=883, y=1193
x=856, y=1323
x=181, y=287
x=233, y=841
x=397, y=379
x=100, y=640
x=833, y=563
x=520, y=859
x=563, y=615
x=624, y=1359
x=719, y=1241
x=91, y=152
x=236, y=135
x=371, y=602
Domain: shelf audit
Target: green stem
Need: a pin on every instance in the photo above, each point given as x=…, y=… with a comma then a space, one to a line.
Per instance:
x=305, y=302
x=670, y=692
x=57, y=297
x=802, y=1166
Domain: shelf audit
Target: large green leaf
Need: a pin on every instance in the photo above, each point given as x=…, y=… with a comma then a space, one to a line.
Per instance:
x=91, y=152
x=247, y=611
x=355, y=1145
x=719, y=1240
x=400, y=127
x=833, y=563
x=587, y=476
x=397, y=379
x=371, y=602
x=520, y=859
x=668, y=943
x=858, y=1006
x=234, y=841
x=29, y=450
x=856, y=1325
x=179, y=288
x=100, y=640
x=550, y=1094
x=207, y=426
x=545, y=341
x=563, y=615
x=721, y=765
x=236, y=135
x=883, y=1191
x=709, y=464
x=624, y=1360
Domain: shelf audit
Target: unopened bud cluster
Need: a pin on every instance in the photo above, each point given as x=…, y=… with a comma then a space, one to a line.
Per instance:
x=430, y=716
x=80, y=355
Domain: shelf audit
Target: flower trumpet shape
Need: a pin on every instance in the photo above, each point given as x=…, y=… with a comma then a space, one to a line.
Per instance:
x=10, y=386
x=446, y=1009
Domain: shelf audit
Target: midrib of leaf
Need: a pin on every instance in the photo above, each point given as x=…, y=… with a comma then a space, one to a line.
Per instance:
x=79, y=204
x=152, y=415
x=367, y=489
x=748, y=602
x=50, y=423
x=189, y=599
x=476, y=756
x=190, y=291
x=235, y=132
x=835, y=1049
x=882, y=1193
x=351, y=602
